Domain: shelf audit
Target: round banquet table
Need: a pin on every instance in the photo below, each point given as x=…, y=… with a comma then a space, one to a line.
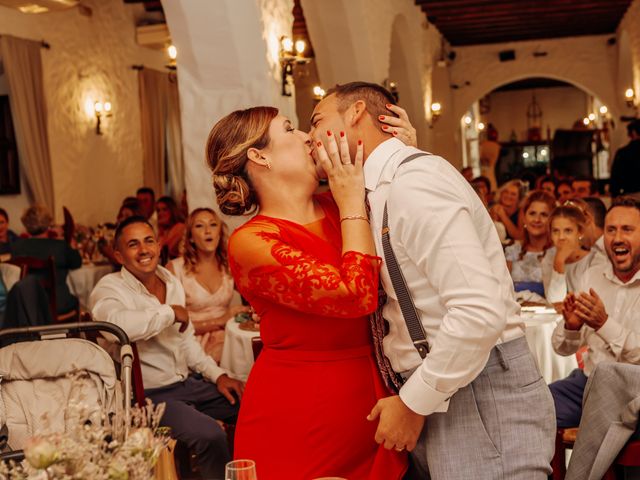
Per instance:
x=539, y=330
x=237, y=353
x=82, y=280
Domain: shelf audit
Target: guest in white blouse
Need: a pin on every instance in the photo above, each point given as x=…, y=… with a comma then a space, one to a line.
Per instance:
x=203, y=270
x=603, y=312
x=524, y=257
x=569, y=258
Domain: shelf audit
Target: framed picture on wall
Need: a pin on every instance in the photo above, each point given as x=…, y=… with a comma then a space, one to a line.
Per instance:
x=9, y=165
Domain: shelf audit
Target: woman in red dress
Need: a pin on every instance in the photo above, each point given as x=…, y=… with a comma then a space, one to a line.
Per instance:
x=307, y=265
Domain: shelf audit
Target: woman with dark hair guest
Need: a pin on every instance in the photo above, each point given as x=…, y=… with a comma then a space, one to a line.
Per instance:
x=547, y=184
x=37, y=221
x=7, y=236
x=170, y=225
x=564, y=191
x=524, y=258
x=203, y=270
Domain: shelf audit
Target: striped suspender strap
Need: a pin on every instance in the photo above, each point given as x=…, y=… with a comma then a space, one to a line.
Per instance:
x=408, y=308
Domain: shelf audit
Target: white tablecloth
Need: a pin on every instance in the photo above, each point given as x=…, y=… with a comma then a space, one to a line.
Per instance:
x=82, y=280
x=237, y=353
x=540, y=327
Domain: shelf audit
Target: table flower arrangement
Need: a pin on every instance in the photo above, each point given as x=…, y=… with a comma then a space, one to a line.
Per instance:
x=94, y=451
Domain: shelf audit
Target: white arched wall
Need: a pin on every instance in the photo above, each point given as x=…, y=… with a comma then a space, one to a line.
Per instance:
x=629, y=53
x=586, y=62
x=227, y=60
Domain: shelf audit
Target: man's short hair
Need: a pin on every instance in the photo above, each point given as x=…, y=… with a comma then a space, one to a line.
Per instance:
x=633, y=127
x=125, y=223
x=593, y=184
x=375, y=96
x=482, y=179
x=597, y=209
x=147, y=190
x=625, y=201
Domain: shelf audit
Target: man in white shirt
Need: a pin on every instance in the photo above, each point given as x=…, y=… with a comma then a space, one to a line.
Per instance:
x=485, y=409
x=603, y=313
x=147, y=302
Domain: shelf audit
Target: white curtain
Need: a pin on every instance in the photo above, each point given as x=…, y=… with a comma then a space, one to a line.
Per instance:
x=174, y=141
x=23, y=69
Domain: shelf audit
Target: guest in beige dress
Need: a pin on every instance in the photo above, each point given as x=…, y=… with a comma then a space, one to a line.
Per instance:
x=203, y=271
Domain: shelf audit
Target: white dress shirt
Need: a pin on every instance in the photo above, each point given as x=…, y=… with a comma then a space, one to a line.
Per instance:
x=451, y=257
x=618, y=340
x=166, y=355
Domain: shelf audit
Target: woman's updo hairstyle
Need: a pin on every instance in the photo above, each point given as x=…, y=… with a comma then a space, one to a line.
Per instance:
x=227, y=147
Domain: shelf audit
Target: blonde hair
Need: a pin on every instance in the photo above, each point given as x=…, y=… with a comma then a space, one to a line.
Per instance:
x=188, y=247
x=229, y=141
x=539, y=196
x=36, y=219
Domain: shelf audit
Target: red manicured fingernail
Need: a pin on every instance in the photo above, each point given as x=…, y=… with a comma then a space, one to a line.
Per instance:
x=394, y=133
x=388, y=105
x=384, y=127
x=342, y=134
x=359, y=142
x=319, y=144
x=328, y=133
x=381, y=117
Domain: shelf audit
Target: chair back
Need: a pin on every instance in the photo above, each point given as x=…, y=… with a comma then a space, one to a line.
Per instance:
x=46, y=270
x=256, y=347
x=69, y=225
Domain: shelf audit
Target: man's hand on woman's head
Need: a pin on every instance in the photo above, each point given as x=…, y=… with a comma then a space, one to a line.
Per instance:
x=400, y=126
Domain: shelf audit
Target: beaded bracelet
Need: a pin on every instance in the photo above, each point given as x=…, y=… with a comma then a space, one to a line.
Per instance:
x=354, y=217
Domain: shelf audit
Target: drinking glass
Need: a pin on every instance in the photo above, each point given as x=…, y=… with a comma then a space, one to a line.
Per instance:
x=240, y=470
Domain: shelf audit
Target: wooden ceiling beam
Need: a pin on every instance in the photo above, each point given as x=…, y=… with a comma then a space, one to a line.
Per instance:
x=468, y=40
x=513, y=5
x=491, y=17
x=545, y=24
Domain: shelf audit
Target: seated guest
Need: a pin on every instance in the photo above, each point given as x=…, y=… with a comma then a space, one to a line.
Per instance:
x=130, y=207
x=170, y=225
x=9, y=275
x=147, y=302
x=147, y=204
x=36, y=221
x=602, y=314
x=568, y=259
x=548, y=184
x=596, y=211
x=482, y=186
x=6, y=236
x=564, y=191
x=584, y=186
x=203, y=270
x=467, y=173
x=524, y=258
x=506, y=210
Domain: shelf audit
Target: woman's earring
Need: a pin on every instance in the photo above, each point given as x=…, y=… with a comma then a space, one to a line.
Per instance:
x=525, y=226
x=268, y=165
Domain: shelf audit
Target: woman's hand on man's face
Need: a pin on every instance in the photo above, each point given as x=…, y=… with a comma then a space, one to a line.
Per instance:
x=400, y=126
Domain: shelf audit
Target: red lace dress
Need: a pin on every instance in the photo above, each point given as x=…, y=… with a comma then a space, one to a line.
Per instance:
x=303, y=413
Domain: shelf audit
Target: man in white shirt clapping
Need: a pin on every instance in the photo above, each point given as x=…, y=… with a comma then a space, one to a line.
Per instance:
x=603, y=314
x=476, y=405
x=147, y=302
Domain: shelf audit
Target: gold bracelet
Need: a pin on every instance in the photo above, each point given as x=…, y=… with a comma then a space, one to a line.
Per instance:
x=354, y=217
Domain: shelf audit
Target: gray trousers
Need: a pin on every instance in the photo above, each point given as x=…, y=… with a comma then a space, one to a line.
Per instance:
x=501, y=426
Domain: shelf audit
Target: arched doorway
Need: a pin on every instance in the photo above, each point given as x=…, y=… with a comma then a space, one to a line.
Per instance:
x=534, y=126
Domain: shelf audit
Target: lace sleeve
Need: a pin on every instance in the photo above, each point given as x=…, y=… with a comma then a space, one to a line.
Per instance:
x=265, y=266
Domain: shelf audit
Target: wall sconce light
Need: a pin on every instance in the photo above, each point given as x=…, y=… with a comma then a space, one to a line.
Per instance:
x=436, y=111
x=101, y=110
x=318, y=93
x=586, y=121
x=481, y=126
x=467, y=120
x=630, y=97
x=603, y=110
x=172, y=53
x=291, y=53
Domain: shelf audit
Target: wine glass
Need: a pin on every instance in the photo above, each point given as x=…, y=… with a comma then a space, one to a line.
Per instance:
x=240, y=470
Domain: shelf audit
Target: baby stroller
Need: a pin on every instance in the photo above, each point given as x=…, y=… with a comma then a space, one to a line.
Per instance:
x=43, y=369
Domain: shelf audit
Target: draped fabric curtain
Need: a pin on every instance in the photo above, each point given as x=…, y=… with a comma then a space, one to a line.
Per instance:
x=174, y=141
x=23, y=69
x=154, y=92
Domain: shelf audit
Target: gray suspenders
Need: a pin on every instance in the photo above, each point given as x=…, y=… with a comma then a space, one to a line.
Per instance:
x=408, y=308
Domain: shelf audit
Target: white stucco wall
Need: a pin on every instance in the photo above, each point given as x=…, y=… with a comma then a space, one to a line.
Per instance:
x=628, y=72
x=89, y=59
x=227, y=60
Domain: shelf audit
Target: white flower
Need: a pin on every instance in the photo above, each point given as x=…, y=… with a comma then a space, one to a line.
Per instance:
x=140, y=440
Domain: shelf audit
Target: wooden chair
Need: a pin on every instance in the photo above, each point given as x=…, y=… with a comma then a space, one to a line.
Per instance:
x=47, y=269
x=256, y=347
